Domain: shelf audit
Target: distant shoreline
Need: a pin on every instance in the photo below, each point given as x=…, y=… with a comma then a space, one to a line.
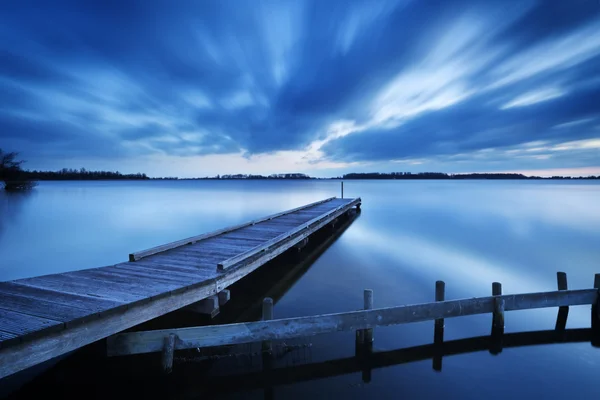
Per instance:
x=85, y=175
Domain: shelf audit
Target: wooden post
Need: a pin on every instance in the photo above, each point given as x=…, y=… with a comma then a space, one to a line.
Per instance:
x=596, y=314
x=167, y=353
x=498, y=320
x=563, y=312
x=342, y=189
x=367, y=346
x=368, y=294
x=438, y=331
x=267, y=314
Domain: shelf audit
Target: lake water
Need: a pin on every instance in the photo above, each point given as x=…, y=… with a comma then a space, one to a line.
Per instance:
x=409, y=234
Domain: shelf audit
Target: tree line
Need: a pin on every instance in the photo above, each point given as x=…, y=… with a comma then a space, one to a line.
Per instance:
x=79, y=174
x=442, y=175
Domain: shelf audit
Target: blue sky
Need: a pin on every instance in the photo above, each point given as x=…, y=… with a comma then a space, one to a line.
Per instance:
x=196, y=88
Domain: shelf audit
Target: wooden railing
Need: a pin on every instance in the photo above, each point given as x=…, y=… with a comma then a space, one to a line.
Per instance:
x=362, y=321
x=296, y=231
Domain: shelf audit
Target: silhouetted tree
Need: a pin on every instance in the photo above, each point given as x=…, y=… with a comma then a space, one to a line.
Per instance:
x=11, y=172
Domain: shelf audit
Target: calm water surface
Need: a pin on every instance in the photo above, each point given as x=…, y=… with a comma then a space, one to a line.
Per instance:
x=410, y=234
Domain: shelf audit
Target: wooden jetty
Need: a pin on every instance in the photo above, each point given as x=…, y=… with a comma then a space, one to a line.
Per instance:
x=48, y=316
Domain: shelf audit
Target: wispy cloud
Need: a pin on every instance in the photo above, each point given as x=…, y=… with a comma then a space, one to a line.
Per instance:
x=321, y=84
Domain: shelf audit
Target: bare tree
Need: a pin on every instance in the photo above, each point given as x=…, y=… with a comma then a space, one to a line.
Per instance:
x=12, y=173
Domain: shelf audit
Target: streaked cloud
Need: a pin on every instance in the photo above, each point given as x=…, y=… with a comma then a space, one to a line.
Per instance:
x=329, y=85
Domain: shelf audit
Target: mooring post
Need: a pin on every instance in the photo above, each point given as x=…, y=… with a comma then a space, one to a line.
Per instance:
x=498, y=319
x=167, y=353
x=267, y=314
x=368, y=306
x=563, y=312
x=596, y=314
x=367, y=349
x=342, y=189
x=267, y=350
x=438, y=331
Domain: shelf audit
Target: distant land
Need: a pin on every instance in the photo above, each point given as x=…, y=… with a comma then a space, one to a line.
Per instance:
x=83, y=174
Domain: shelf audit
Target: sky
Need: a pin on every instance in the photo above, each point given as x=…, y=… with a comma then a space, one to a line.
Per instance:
x=199, y=88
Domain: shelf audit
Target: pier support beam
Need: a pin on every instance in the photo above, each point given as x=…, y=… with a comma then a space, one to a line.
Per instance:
x=300, y=245
x=208, y=306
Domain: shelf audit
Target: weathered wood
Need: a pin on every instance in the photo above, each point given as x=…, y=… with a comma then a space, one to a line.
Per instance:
x=224, y=297
x=595, y=316
x=23, y=325
x=236, y=259
x=563, y=312
x=154, y=250
x=301, y=244
x=294, y=374
x=440, y=295
x=206, y=336
x=124, y=295
x=42, y=309
x=90, y=303
x=167, y=354
x=368, y=298
x=32, y=352
x=498, y=318
x=208, y=306
x=438, y=330
x=77, y=287
x=267, y=315
x=253, y=263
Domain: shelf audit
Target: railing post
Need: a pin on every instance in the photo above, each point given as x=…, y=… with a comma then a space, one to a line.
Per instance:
x=563, y=312
x=498, y=319
x=438, y=331
x=368, y=339
x=267, y=314
x=596, y=314
x=167, y=353
x=342, y=189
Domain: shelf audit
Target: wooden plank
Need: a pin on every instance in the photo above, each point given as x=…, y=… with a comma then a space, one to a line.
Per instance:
x=224, y=297
x=220, y=246
x=90, y=303
x=206, y=272
x=177, y=261
x=249, y=265
x=235, y=238
x=219, y=335
x=23, y=324
x=162, y=272
x=6, y=337
x=42, y=309
x=234, y=260
x=124, y=276
x=193, y=239
x=82, y=286
x=208, y=306
x=24, y=355
x=213, y=253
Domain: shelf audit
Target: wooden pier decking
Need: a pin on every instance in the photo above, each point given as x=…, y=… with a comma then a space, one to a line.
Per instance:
x=47, y=316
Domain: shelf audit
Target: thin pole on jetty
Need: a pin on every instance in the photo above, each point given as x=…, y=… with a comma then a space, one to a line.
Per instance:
x=342, y=189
